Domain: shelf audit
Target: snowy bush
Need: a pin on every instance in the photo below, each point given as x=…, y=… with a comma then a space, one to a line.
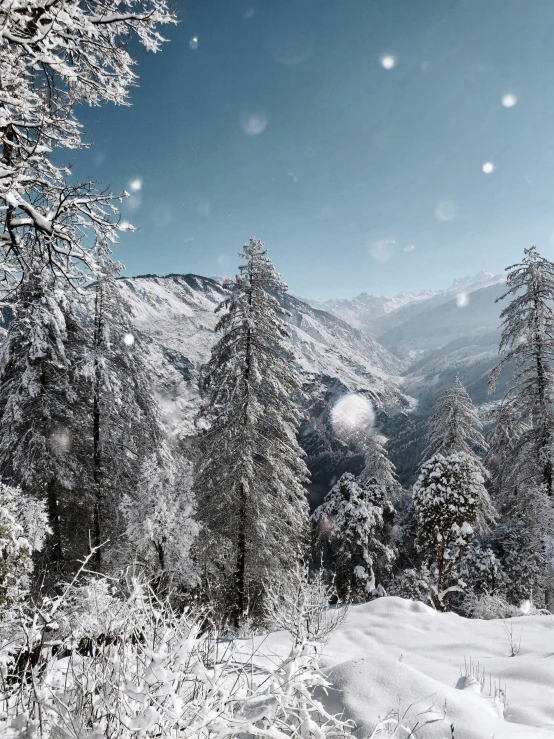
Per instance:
x=23, y=527
x=159, y=517
x=486, y=606
x=300, y=605
x=107, y=659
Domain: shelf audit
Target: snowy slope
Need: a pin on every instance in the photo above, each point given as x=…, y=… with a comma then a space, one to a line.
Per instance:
x=177, y=314
x=398, y=656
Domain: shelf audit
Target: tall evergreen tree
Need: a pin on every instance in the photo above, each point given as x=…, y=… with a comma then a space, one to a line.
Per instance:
x=43, y=442
x=125, y=417
x=251, y=475
x=353, y=530
x=451, y=504
x=528, y=342
x=378, y=467
x=455, y=427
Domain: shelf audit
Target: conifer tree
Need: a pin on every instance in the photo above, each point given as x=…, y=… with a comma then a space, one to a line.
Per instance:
x=251, y=475
x=43, y=442
x=378, y=466
x=125, y=416
x=451, y=504
x=528, y=342
x=455, y=427
x=353, y=528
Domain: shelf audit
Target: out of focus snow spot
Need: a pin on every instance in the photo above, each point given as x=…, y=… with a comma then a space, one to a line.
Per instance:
x=291, y=46
x=61, y=440
x=136, y=185
x=409, y=248
x=99, y=158
x=352, y=417
x=424, y=66
x=488, y=167
x=223, y=261
x=445, y=211
x=462, y=299
x=382, y=250
x=249, y=13
x=293, y=177
x=388, y=61
x=253, y=123
x=128, y=339
x=162, y=215
x=193, y=43
x=509, y=100
x=126, y=226
x=203, y=207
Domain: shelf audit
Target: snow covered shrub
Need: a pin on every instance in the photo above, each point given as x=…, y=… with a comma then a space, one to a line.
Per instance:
x=351, y=526
x=411, y=584
x=23, y=527
x=160, y=523
x=300, y=605
x=482, y=570
x=451, y=503
x=149, y=672
x=486, y=606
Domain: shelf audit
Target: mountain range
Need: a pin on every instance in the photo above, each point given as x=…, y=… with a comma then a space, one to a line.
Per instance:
x=399, y=353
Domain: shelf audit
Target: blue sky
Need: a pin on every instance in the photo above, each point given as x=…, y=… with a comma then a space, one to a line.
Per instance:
x=284, y=124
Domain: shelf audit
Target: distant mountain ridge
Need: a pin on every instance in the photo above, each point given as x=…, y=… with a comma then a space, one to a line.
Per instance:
x=377, y=314
x=420, y=343
x=176, y=315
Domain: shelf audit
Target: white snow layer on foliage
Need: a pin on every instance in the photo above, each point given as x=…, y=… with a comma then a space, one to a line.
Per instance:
x=395, y=656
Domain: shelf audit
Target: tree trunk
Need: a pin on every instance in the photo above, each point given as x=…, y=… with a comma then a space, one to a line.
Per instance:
x=56, y=554
x=240, y=568
x=240, y=572
x=97, y=456
x=544, y=443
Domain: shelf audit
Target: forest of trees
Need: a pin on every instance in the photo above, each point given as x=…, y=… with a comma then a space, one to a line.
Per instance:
x=219, y=522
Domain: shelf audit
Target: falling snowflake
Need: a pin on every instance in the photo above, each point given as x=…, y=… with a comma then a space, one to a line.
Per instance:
x=488, y=167
x=509, y=100
x=445, y=211
x=193, y=43
x=128, y=339
x=388, y=61
x=462, y=299
x=253, y=123
x=382, y=250
x=352, y=417
x=136, y=185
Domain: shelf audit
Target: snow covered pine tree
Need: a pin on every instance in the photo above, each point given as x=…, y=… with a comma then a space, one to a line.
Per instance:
x=451, y=504
x=528, y=342
x=44, y=445
x=251, y=474
x=455, y=426
x=351, y=527
x=126, y=426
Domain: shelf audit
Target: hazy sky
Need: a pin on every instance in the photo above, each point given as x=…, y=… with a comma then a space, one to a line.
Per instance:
x=349, y=135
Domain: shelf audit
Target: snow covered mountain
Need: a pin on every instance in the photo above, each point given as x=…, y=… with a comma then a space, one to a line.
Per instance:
x=378, y=314
x=422, y=342
x=177, y=314
x=437, y=335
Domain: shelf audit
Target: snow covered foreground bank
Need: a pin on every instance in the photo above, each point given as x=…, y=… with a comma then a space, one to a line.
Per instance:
x=395, y=655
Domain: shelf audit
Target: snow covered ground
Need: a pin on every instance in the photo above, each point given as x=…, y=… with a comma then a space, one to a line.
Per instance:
x=399, y=656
